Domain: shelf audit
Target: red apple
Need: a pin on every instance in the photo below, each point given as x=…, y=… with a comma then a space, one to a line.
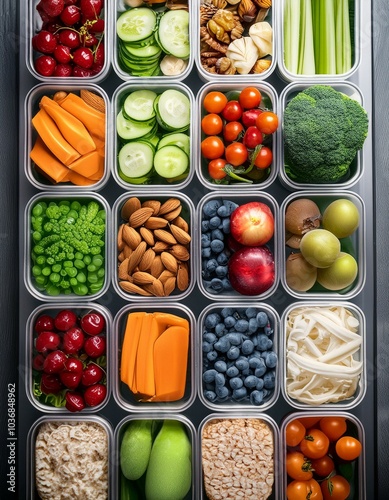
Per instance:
x=251, y=270
x=252, y=224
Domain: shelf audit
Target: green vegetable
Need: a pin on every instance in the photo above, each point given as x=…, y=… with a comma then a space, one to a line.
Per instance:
x=323, y=130
x=70, y=236
x=135, y=448
x=169, y=473
x=128, y=490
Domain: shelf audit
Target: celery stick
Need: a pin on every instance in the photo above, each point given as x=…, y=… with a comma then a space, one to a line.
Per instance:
x=307, y=55
x=291, y=34
x=326, y=38
x=343, y=37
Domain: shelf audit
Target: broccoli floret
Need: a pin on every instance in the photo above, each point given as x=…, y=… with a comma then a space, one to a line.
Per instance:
x=323, y=130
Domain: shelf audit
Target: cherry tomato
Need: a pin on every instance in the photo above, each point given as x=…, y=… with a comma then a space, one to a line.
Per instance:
x=264, y=158
x=267, y=122
x=304, y=490
x=212, y=124
x=212, y=147
x=215, y=168
x=214, y=102
x=333, y=427
x=250, y=97
x=249, y=116
x=252, y=137
x=309, y=422
x=236, y=154
x=335, y=488
x=294, y=433
x=231, y=131
x=323, y=466
x=232, y=111
x=315, y=444
x=348, y=448
x=298, y=467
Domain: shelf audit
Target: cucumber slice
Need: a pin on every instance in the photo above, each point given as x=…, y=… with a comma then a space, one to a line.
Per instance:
x=136, y=159
x=176, y=139
x=138, y=105
x=170, y=161
x=173, y=33
x=173, y=110
x=144, y=52
x=136, y=24
x=129, y=129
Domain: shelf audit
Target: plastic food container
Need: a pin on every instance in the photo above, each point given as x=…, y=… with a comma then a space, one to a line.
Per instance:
x=34, y=173
x=34, y=24
x=289, y=75
x=153, y=133
x=219, y=465
x=243, y=382
x=158, y=420
x=100, y=426
x=354, y=470
x=255, y=63
x=214, y=282
x=357, y=166
x=333, y=390
x=354, y=245
x=32, y=375
x=124, y=396
x=130, y=57
x=269, y=101
x=154, y=235
x=96, y=286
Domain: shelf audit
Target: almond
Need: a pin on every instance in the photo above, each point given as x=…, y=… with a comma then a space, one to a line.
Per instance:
x=121, y=257
x=156, y=267
x=123, y=269
x=136, y=256
x=129, y=207
x=154, y=204
x=142, y=278
x=132, y=288
x=147, y=260
x=163, y=235
x=161, y=246
x=169, y=285
x=165, y=275
x=179, y=252
x=140, y=216
x=94, y=100
x=120, y=242
x=169, y=205
x=156, y=288
x=182, y=277
x=181, y=223
x=180, y=235
x=127, y=251
x=147, y=235
x=155, y=222
x=173, y=214
x=131, y=236
x=169, y=262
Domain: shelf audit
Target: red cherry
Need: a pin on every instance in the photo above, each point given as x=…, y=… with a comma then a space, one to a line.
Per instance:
x=47, y=341
x=37, y=362
x=92, y=323
x=70, y=15
x=45, y=65
x=83, y=57
x=89, y=40
x=44, y=323
x=69, y=38
x=95, y=346
x=44, y=42
x=65, y=320
x=95, y=394
x=92, y=374
x=91, y=9
x=99, y=55
x=54, y=362
x=72, y=375
x=63, y=70
x=81, y=72
x=52, y=8
x=50, y=384
x=74, y=401
x=43, y=14
x=62, y=54
x=96, y=26
x=73, y=340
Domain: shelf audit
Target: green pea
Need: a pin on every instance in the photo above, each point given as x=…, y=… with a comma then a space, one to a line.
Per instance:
x=53, y=290
x=75, y=205
x=101, y=272
x=37, y=210
x=67, y=263
x=71, y=272
x=81, y=278
x=50, y=260
x=87, y=259
x=55, y=278
x=56, y=268
x=41, y=280
x=79, y=264
x=70, y=255
x=41, y=260
x=80, y=289
x=79, y=255
x=46, y=271
x=36, y=236
x=36, y=271
x=73, y=214
x=96, y=287
x=63, y=272
x=97, y=260
x=93, y=278
x=38, y=250
x=73, y=282
x=91, y=268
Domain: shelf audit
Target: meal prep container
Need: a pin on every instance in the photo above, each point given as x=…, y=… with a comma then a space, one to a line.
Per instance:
x=52, y=310
x=68, y=419
x=33, y=23
x=356, y=169
x=269, y=101
x=119, y=7
x=239, y=197
x=31, y=106
x=48, y=196
x=122, y=393
x=354, y=428
x=358, y=353
x=158, y=86
x=355, y=244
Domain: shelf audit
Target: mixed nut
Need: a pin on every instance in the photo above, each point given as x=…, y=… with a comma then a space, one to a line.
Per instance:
x=153, y=245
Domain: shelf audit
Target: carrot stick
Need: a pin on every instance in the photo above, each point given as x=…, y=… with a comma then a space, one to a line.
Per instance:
x=129, y=349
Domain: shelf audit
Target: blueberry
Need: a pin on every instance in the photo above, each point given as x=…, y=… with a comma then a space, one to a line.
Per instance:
x=250, y=381
x=251, y=312
x=205, y=240
x=204, y=226
x=220, y=379
x=268, y=330
x=247, y=347
x=234, y=338
x=211, y=265
x=271, y=359
x=239, y=393
x=225, y=225
x=260, y=370
x=209, y=376
x=222, y=345
x=211, y=320
x=229, y=321
x=217, y=246
x=242, y=325
x=222, y=258
x=207, y=347
x=217, y=285
x=262, y=319
x=209, y=337
x=260, y=384
x=236, y=383
x=229, y=205
x=233, y=353
x=210, y=395
x=210, y=207
x=264, y=343
x=253, y=325
x=222, y=392
x=254, y=362
x=223, y=211
x=221, y=271
x=256, y=398
x=220, y=329
x=214, y=222
x=205, y=274
x=226, y=284
x=216, y=234
x=212, y=355
x=242, y=363
x=221, y=366
x=232, y=371
x=226, y=311
x=206, y=252
x=269, y=379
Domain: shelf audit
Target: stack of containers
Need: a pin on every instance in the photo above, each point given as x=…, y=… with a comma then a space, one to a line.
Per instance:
x=238, y=351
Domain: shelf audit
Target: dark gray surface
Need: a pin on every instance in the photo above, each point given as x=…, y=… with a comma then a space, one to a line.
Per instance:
x=9, y=372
